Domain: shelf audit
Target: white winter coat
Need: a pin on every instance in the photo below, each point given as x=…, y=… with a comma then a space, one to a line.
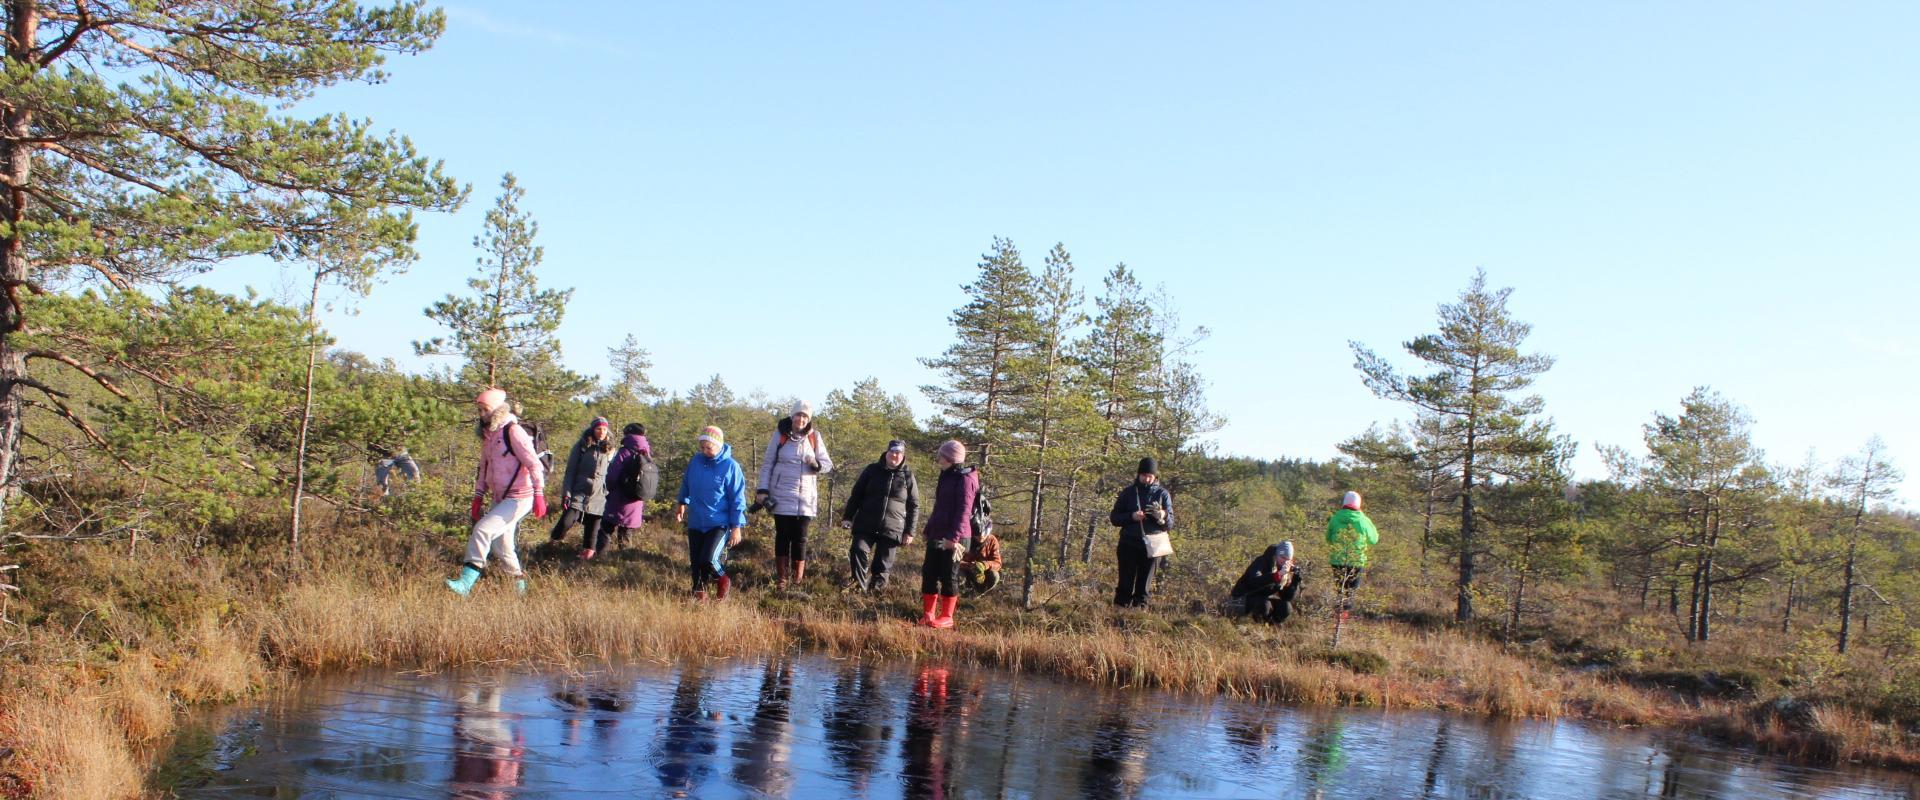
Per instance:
x=790, y=472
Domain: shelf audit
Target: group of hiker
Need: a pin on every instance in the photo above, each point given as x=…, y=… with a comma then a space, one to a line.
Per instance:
x=607, y=482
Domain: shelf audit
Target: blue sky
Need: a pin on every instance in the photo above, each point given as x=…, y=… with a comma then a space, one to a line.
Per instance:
x=791, y=195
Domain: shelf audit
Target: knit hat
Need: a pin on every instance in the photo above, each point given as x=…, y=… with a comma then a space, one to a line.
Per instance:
x=600, y=422
x=803, y=407
x=1286, y=549
x=1351, y=500
x=491, y=398
x=634, y=429
x=952, y=450
x=1148, y=466
x=712, y=433
x=896, y=446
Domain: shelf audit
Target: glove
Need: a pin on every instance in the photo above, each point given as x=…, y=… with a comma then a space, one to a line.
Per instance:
x=539, y=506
x=566, y=503
x=479, y=505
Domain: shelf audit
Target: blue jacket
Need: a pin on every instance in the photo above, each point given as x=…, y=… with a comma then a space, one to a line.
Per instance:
x=714, y=490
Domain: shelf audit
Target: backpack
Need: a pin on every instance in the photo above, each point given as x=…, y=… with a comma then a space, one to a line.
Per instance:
x=981, y=520
x=538, y=435
x=643, y=481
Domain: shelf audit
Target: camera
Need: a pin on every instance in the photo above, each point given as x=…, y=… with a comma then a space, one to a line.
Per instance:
x=759, y=504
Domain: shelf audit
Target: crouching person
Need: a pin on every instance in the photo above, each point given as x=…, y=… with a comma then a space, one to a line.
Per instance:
x=511, y=477
x=1266, y=590
x=981, y=565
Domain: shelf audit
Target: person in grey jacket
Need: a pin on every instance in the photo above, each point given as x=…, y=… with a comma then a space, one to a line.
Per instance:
x=790, y=487
x=882, y=511
x=583, y=486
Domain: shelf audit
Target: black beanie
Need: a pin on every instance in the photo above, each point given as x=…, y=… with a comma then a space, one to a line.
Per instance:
x=1147, y=465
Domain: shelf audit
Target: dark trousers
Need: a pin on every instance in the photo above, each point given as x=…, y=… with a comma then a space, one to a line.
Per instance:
x=609, y=528
x=1346, y=580
x=1274, y=603
x=940, y=573
x=1136, y=574
x=575, y=516
x=707, y=555
x=790, y=536
x=871, y=558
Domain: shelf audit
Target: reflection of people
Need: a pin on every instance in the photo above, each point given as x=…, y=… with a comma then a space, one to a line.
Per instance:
x=1143, y=508
x=690, y=738
x=487, y=749
x=1326, y=755
x=1266, y=590
x=882, y=510
x=1117, y=765
x=854, y=724
x=761, y=757
x=923, y=748
x=789, y=483
x=1350, y=534
x=1251, y=734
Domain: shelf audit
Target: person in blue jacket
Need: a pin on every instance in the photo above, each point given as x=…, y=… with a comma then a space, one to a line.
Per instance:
x=713, y=505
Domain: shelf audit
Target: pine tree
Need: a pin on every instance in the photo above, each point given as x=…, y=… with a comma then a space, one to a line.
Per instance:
x=1478, y=370
x=504, y=331
x=144, y=141
x=1119, y=361
x=1047, y=371
x=993, y=330
x=630, y=363
x=1860, y=479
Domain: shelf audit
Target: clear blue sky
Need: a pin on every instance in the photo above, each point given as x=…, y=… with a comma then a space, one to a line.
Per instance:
x=1681, y=194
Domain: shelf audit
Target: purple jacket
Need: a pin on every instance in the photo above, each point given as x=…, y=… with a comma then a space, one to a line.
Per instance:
x=953, y=505
x=624, y=510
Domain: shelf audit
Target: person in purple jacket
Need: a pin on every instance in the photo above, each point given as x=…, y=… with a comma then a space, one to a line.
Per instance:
x=948, y=530
x=624, y=512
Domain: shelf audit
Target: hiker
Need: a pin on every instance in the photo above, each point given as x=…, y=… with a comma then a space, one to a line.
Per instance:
x=713, y=505
x=1267, y=589
x=1350, y=534
x=1143, y=509
x=399, y=461
x=981, y=565
x=583, y=486
x=625, y=513
x=882, y=510
x=789, y=487
x=510, y=473
x=948, y=530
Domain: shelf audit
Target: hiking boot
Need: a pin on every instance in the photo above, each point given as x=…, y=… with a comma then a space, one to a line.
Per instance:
x=520, y=586
x=726, y=586
x=464, y=584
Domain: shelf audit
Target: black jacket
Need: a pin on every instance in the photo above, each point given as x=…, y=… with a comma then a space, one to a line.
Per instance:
x=884, y=501
x=1259, y=575
x=1137, y=497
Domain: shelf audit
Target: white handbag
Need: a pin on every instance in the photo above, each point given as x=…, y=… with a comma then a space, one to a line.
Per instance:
x=1159, y=544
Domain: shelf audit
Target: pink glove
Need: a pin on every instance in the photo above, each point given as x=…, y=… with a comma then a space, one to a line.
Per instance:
x=539, y=506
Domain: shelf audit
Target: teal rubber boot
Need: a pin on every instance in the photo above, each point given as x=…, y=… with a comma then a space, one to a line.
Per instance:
x=521, y=587
x=464, y=584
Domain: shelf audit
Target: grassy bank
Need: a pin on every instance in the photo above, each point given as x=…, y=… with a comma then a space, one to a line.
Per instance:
x=120, y=642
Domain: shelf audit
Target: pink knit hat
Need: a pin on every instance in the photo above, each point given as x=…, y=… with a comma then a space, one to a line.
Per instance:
x=952, y=450
x=491, y=398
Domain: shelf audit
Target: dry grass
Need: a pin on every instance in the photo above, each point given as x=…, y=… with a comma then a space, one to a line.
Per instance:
x=67, y=745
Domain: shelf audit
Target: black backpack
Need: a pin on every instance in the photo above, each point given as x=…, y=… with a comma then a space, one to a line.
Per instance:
x=539, y=436
x=642, y=482
x=981, y=520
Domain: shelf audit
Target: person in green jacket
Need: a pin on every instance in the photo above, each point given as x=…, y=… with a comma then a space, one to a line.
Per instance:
x=1350, y=534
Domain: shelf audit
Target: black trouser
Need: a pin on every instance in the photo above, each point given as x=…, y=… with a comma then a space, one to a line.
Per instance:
x=609, y=528
x=1273, y=603
x=1136, y=573
x=707, y=555
x=871, y=558
x=790, y=536
x=575, y=515
x=1345, y=580
x=940, y=573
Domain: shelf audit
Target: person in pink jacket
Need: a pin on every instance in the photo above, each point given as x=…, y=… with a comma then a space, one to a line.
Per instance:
x=510, y=483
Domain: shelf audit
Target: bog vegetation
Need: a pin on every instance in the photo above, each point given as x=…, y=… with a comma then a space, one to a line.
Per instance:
x=191, y=500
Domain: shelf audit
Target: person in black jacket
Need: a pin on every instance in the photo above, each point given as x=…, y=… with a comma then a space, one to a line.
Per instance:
x=882, y=511
x=1266, y=590
x=1143, y=508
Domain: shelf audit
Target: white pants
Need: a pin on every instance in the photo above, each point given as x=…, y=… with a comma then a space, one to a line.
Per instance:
x=494, y=534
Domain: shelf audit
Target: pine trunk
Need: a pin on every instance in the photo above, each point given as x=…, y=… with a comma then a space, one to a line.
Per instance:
x=16, y=159
x=306, y=415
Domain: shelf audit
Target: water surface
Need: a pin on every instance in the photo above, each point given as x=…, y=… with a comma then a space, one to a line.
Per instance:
x=807, y=726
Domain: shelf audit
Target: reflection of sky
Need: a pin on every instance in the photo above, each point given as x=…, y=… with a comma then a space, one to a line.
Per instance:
x=836, y=729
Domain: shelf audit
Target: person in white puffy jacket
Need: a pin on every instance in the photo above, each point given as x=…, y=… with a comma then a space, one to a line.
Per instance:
x=790, y=488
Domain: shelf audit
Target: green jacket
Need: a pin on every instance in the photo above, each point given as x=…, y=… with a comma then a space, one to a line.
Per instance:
x=1350, y=534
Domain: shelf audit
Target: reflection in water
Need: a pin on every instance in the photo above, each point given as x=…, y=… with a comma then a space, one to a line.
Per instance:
x=808, y=727
x=760, y=759
x=856, y=725
x=1117, y=762
x=690, y=738
x=487, y=752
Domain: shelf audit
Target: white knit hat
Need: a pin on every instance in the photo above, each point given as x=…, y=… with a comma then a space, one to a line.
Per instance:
x=1286, y=549
x=1351, y=500
x=802, y=407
